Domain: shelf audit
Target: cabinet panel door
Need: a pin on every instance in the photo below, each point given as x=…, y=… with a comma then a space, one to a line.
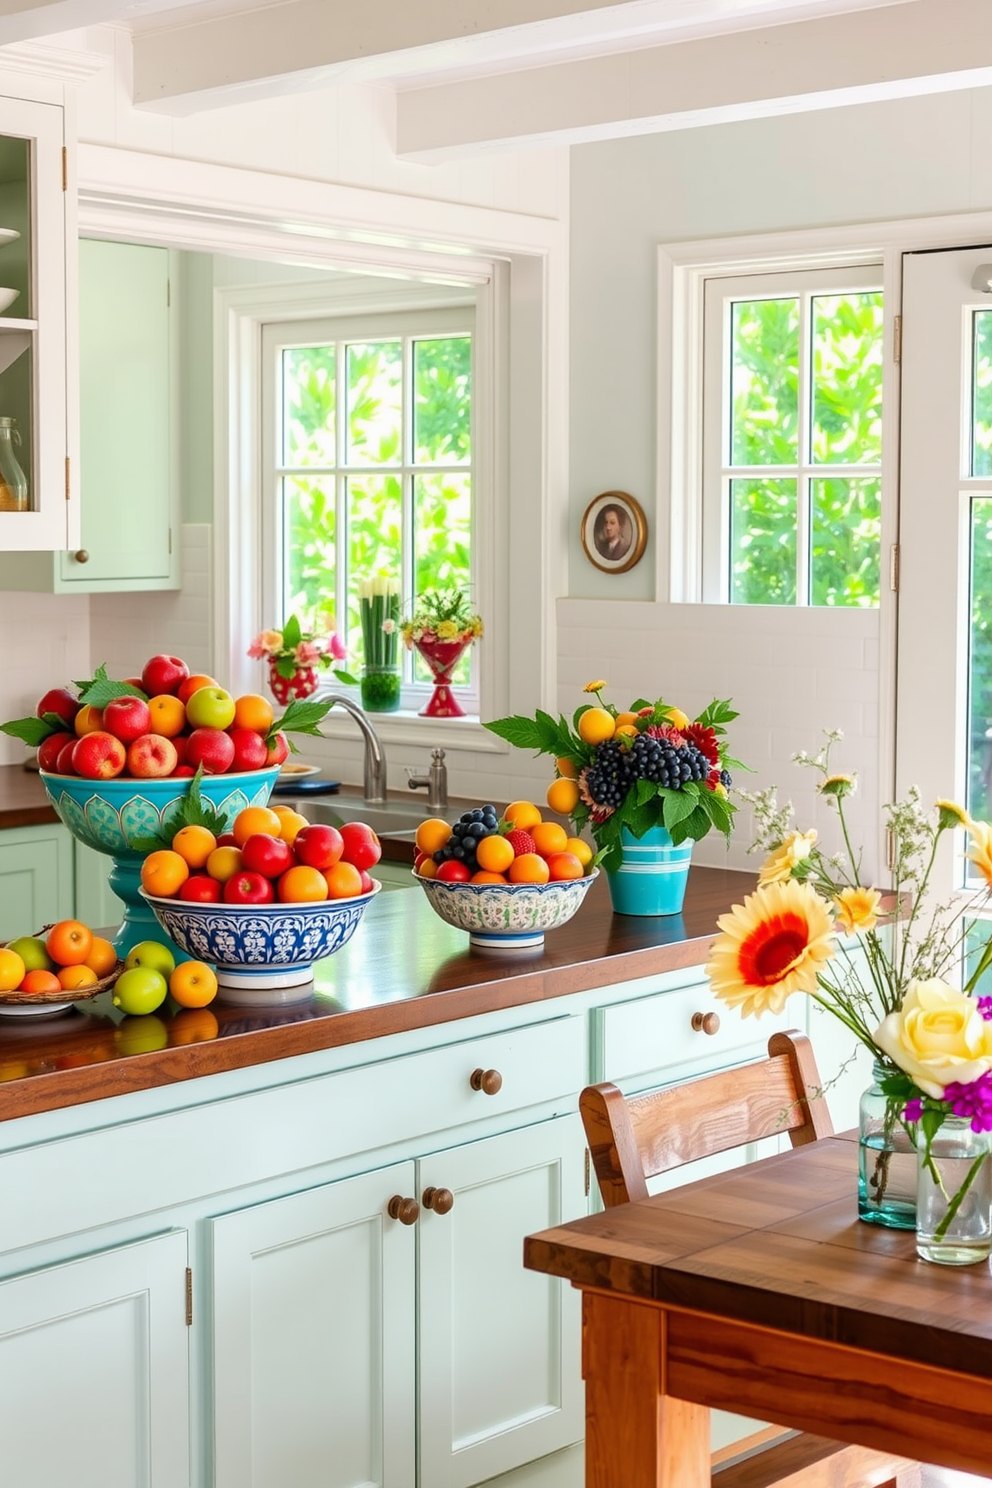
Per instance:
x=94, y=1371
x=499, y=1346
x=96, y=903
x=314, y=1339
x=35, y=879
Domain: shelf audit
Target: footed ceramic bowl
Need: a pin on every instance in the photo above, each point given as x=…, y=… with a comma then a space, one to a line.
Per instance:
x=507, y=916
x=261, y=947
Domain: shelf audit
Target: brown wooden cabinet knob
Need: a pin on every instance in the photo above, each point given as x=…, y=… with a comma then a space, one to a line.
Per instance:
x=407, y=1211
x=706, y=1022
x=438, y=1199
x=82, y=556
x=490, y=1082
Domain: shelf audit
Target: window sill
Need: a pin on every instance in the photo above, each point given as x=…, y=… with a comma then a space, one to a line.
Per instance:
x=407, y=727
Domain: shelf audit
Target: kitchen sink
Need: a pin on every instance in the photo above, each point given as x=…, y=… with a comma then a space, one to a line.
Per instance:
x=393, y=819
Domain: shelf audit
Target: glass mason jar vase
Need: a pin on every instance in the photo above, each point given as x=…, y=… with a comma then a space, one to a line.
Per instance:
x=887, y=1177
x=954, y=1201
x=380, y=687
x=13, y=481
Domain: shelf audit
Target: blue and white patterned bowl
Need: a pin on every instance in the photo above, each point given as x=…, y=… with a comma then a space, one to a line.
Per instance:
x=507, y=916
x=261, y=946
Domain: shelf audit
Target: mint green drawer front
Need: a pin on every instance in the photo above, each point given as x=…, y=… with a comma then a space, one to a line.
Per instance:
x=35, y=879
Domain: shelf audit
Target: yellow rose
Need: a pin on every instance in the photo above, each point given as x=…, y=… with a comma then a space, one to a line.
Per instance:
x=778, y=866
x=937, y=1036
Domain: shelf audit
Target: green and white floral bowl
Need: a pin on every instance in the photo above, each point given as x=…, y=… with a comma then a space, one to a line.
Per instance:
x=507, y=916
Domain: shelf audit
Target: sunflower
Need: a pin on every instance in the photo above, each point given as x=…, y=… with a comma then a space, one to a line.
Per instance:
x=857, y=909
x=772, y=945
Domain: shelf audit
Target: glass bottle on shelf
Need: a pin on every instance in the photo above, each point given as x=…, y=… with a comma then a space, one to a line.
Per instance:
x=13, y=481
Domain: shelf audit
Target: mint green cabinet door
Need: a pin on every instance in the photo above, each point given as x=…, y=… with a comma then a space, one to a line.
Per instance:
x=96, y=903
x=94, y=1371
x=36, y=879
x=124, y=415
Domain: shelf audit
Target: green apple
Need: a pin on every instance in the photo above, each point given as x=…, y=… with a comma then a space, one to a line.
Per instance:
x=140, y=990
x=140, y=1035
x=210, y=707
x=153, y=955
x=32, y=952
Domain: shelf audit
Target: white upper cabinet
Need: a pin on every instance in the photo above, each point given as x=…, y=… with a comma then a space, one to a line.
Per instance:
x=41, y=511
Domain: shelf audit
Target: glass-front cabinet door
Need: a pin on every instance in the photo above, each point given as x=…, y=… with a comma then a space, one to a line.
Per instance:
x=38, y=502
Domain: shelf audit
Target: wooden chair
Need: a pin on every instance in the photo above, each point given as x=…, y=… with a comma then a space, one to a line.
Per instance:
x=633, y=1140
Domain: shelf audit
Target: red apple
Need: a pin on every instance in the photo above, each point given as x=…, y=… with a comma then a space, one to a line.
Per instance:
x=200, y=888
x=64, y=765
x=367, y=883
x=278, y=751
x=248, y=888
x=210, y=707
x=361, y=845
x=98, y=756
x=163, y=674
x=61, y=702
x=227, y=839
x=267, y=855
x=184, y=771
x=318, y=846
x=211, y=748
x=454, y=871
x=179, y=741
x=135, y=682
x=49, y=750
x=250, y=750
x=152, y=757
x=127, y=718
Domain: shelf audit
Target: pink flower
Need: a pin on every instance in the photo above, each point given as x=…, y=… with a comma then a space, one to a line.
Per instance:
x=307, y=653
x=338, y=650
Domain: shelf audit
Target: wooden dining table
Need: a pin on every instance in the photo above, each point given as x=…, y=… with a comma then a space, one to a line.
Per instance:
x=759, y=1291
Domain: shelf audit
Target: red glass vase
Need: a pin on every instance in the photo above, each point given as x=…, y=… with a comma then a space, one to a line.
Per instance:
x=442, y=657
x=301, y=684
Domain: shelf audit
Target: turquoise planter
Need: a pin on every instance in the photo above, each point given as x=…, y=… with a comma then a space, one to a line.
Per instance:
x=651, y=879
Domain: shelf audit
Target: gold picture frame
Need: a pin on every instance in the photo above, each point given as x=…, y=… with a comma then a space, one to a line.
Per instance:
x=614, y=532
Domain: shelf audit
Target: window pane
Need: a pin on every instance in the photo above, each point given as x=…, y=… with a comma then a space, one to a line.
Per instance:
x=847, y=379
x=976, y=938
x=442, y=517
x=308, y=405
x=764, y=382
x=442, y=431
x=980, y=662
x=375, y=541
x=308, y=544
x=375, y=403
x=763, y=542
x=846, y=532
x=981, y=414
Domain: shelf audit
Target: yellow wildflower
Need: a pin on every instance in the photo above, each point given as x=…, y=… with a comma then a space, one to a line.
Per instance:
x=857, y=909
x=594, y=687
x=795, y=849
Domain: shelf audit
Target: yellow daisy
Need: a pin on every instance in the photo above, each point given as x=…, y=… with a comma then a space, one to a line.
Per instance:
x=952, y=814
x=857, y=909
x=981, y=848
x=794, y=849
x=594, y=687
x=772, y=945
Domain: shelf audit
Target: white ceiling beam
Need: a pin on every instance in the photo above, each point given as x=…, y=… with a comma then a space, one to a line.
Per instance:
x=923, y=46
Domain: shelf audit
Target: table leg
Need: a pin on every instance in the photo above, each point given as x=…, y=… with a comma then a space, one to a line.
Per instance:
x=636, y=1435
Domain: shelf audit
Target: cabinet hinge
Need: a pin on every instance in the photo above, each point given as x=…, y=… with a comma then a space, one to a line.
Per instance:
x=894, y=568
x=68, y=479
x=585, y=1171
x=189, y=1297
x=897, y=339
x=65, y=169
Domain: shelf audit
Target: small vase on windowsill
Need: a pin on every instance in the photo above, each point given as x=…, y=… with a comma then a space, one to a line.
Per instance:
x=442, y=657
x=380, y=687
x=302, y=684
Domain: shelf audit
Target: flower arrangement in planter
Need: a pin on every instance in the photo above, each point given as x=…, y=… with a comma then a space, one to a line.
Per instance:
x=379, y=611
x=884, y=969
x=646, y=781
x=294, y=656
x=442, y=626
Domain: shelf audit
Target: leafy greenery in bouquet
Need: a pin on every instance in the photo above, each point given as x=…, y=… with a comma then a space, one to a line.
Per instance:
x=442, y=615
x=646, y=766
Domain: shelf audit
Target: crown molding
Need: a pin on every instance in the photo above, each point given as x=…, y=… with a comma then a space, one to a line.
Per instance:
x=57, y=63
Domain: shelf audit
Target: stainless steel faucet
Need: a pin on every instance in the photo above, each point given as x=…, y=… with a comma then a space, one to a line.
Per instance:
x=374, y=788
x=435, y=782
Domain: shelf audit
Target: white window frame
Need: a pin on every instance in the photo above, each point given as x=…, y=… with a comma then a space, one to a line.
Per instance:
x=457, y=317
x=720, y=291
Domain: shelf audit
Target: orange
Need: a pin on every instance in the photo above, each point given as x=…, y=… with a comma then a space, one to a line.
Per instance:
x=253, y=712
x=427, y=869
x=564, y=865
x=622, y=719
x=12, y=971
x=494, y=854
x=432, y=834
x=41, y=981
x=595, y=726
x=566, y=767
x=223, y=863
x=549, y=838
x=102, y=957
x=626, y=731
x=303, y=885
x=291, y=823
x=192, y=684
x=193, y=1026
x=163, y=873
x=528, y=868
x=69, y=942
x=522, y=814
x=193, y=984
x=255, y=819
x=72, y=977
x=343, y=881
x=563, y=796
x=168, y=715
x=88, y=720
x=483, y=877
x=677, y=718
x=581, y=849
x=194, y=845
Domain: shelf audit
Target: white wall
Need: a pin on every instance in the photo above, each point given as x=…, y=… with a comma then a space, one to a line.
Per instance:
x=45, y=643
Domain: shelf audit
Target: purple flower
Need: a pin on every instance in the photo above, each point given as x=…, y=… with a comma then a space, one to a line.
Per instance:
x=972, y=1101
x=913, y=1110
x=985, y=1007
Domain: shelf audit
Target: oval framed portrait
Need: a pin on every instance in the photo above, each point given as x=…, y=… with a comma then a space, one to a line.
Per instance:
x=614, y=532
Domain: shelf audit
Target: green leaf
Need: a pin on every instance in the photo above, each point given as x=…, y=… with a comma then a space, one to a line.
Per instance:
x=525, y=733
x=32, y=731
x=292, y=633
x=345, y=677
x=101, y=689
x=286, y=667
x=149, y=844
x=647, y=790
x=301, y=717
x=679, y=804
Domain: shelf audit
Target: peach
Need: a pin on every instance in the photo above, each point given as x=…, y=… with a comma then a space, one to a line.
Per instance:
x=98, y=755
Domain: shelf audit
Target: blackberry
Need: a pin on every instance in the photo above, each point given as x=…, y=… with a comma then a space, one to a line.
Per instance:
x=616, y=768
x=726, y=779
x=466, y=834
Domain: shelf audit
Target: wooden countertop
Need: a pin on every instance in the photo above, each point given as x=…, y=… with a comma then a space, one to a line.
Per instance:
x=23, y=802
x=404, y=969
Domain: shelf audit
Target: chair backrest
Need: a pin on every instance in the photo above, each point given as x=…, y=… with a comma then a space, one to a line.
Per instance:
x=633, y=1140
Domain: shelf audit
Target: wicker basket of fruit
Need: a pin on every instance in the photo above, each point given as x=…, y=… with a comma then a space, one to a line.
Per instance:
x=62, y=964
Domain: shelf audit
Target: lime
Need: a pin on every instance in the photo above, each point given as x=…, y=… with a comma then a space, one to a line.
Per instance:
x=139, y=990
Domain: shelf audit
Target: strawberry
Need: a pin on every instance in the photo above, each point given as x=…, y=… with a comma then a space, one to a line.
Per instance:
x=521, y=842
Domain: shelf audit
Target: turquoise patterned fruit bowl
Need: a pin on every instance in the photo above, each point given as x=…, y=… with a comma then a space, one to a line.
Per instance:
x=507, y=916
